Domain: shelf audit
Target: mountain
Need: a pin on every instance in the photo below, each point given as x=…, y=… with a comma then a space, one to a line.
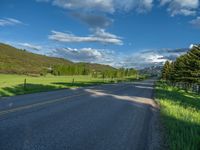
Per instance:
x=13, y=60
x=152, y=71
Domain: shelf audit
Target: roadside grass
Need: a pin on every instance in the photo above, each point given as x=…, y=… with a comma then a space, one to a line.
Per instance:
x=11, y=85
x=180, y=116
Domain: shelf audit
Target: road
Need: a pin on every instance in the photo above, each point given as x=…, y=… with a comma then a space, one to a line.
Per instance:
x=106, y=117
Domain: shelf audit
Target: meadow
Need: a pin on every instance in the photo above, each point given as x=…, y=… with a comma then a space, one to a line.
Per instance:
x=11, y=85
x=180, y=117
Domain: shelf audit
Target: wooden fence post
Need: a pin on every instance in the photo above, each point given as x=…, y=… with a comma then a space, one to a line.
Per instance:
x=25, y=84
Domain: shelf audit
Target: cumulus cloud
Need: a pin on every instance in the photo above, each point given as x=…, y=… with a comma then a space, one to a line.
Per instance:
x=9, y=22
x=175, y=7
x=129, y=5
x=99, y=35
x=85, y=55
x=108, y=6
x=30, y=46
x=196, y=22
x=143, y=60
x=139, y=60
x=181, y=7
x=170, y=54
x=101, y=5
x=148, y=58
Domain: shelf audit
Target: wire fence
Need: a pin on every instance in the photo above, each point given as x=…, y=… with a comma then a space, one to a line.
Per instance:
x=194, y=87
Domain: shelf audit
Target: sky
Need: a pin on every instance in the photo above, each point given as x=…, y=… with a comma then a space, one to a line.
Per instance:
x=120, y=33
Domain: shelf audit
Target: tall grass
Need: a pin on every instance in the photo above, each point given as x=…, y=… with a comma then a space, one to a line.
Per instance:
x=180, y=115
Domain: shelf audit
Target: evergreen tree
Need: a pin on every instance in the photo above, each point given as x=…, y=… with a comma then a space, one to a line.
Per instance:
x=186, y=68
x=166, y=71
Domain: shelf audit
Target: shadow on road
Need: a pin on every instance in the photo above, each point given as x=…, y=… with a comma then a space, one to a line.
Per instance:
x=34, y=88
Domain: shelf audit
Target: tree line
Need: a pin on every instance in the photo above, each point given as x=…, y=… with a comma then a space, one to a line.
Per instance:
x=82, y=69
x=185, y=69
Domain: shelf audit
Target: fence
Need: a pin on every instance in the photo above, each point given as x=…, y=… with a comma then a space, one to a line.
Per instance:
x=186, y=86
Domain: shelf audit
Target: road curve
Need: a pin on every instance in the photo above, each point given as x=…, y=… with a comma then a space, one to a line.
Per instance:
x=107, y=117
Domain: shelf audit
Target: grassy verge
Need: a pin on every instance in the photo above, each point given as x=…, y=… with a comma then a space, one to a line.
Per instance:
x=11, y=85
x=180, y=116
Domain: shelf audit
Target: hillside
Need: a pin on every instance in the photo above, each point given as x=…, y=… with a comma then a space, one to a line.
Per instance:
x=97, y=67
x=13, y=60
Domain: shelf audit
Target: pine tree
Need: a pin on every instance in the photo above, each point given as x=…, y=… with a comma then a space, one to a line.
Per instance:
x=166, y=71
x=186, y=68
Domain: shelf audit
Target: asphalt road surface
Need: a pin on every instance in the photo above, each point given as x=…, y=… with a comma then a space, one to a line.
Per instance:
x=107, y=117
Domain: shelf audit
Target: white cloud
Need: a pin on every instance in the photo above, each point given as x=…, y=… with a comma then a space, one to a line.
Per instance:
x=99, y=36
x=181, y=7
x=191, y=46
x=85, y=55
x=137, y=60
x=30, y=46
x=9, y=22
x=108, y=6
x=129, y=5
x=196, y=22
x=142, y=60
x=175, y=7
x=102, y=5
x=148, y=58
x=101, y=33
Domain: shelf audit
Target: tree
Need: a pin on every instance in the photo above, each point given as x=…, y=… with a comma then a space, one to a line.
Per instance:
x=166, y=70
x=186, y=68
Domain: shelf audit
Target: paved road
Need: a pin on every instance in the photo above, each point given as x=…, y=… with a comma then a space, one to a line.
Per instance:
x=107, y=117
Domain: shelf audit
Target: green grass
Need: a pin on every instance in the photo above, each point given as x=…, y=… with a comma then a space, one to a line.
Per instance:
x=11, y=85
x=180, y=116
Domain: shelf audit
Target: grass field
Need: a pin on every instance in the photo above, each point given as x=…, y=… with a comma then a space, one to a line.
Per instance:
x=180, y=116
x=14, y=84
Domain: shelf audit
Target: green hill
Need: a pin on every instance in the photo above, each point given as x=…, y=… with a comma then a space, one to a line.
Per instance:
x=17, y=61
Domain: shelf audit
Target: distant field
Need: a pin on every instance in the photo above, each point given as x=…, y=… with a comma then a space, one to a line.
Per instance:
x=14, y=84
x=180, y=116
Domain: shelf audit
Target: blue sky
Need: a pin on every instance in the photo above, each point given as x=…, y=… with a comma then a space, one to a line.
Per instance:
x=129, y=33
